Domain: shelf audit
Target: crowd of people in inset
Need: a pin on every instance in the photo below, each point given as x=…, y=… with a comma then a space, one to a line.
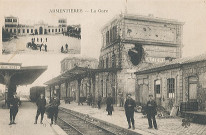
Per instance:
x=66, y=49
x=38, y=44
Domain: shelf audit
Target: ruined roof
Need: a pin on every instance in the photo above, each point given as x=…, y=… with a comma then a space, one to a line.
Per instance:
x=149, y=18
x=172, y=64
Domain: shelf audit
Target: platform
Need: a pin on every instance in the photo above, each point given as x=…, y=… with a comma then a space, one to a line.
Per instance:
x=170, y=126
x=25, y=123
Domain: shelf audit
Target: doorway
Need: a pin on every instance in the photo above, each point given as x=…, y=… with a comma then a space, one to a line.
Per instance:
x=192, y=89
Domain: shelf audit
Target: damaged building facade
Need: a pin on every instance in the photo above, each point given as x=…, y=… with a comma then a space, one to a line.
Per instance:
x=131, y=43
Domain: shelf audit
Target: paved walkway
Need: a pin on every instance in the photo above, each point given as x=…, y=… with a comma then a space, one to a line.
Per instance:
x=25, y=123
x=171, y=126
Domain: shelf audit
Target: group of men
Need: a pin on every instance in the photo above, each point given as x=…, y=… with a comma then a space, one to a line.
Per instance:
x=52, y=108
x=129, y=106
x=66, y=48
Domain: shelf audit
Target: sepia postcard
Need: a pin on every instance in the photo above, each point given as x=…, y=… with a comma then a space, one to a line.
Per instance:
x=102, y=67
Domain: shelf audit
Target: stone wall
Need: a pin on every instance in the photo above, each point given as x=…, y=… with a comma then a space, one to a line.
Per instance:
x=145, y=85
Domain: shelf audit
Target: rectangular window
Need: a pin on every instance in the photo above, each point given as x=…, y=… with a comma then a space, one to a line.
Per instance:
x=31, y=30
x=107, y=62
x=157, y=88
x=111, y=35
x=171, y=87
x=14, y=20
x=55, y=30
x=107, y=38
x=14, y=30
x=52, y=30
x=11, y=30
x=18, y=30
x=114, y=33
x=23, y=30
x=113, y=60
x=59, y=30
x=27, y=30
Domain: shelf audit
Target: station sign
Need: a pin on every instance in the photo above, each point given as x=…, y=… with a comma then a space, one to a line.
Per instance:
x=154, y=60
x=15, y=67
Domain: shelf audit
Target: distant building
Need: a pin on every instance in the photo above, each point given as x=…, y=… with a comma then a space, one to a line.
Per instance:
x=76, y=79
x=12, y=25
x=69, y=63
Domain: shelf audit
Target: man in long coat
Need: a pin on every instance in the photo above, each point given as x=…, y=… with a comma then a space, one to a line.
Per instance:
x=55, y=102
x=41, y=103
x=129, y=110
x=151, y=110
x=14, y=104
x=109, y=103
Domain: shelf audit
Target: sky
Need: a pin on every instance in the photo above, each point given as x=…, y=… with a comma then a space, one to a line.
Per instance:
x=191, y=12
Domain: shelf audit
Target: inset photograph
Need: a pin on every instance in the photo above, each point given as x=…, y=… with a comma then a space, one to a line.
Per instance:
x=40, y=36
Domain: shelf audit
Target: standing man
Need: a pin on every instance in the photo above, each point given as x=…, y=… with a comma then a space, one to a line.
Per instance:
x=45, y=48
x=40, y=47
x=41, y=103
x=55, y=102
x=99, y=101
x=129, y=111
x=66, y=46
x=14, y=104
x=109, y=103
x=151, y=110
x=121, y=100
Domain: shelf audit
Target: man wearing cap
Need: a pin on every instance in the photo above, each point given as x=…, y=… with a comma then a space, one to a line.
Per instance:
x=151, y=110
x=129, y=110
x=14, y=104
x=109, y=103
x=55, y=102
x=41, y=103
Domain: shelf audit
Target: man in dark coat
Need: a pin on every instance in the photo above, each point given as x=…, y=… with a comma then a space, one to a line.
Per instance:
x=55, y=102
x=109, y=103
x=129, y=110
x=41, y=103
x=151, y=110
x=14, y=104
x=99, y=101
x=45, y=46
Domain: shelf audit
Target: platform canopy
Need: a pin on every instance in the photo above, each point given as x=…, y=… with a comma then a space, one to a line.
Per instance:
x=75, y=73
x=19, y=75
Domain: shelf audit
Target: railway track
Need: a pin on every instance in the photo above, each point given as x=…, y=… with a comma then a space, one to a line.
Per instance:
x=74, y=123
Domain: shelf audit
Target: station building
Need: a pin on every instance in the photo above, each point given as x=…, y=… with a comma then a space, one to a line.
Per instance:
x=174, y=83
x=12, y=25
x=131, y=43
